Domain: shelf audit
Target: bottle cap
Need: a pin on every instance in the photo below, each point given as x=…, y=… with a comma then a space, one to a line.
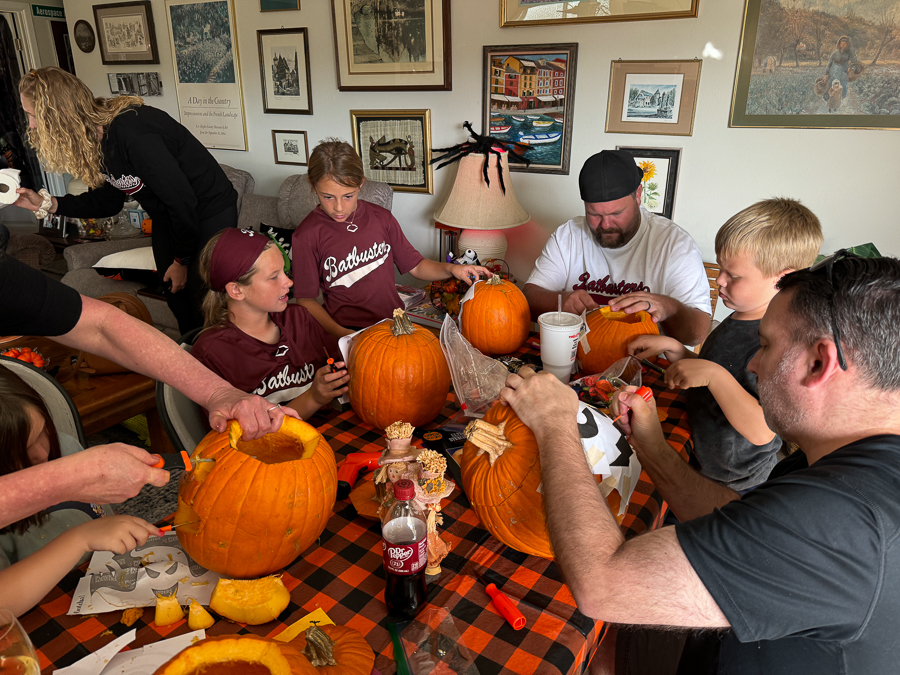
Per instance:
x=404, y=489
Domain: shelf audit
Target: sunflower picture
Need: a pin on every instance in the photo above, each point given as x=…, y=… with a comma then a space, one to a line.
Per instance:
x=660, y=177
x=650, y=196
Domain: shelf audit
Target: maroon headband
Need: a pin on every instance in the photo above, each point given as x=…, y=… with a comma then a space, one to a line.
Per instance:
x=233, y=256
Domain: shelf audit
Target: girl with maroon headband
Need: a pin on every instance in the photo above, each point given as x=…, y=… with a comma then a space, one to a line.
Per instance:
x=253, y=338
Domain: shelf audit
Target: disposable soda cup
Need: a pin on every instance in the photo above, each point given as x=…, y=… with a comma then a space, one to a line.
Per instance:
x=559, y=342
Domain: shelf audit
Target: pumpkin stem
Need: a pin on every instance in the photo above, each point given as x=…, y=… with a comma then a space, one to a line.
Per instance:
x=402, y=324
x=488, y=438
x=495, y=280
x=319, y=647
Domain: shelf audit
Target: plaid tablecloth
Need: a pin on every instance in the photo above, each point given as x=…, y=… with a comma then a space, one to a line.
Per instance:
x=343, y=575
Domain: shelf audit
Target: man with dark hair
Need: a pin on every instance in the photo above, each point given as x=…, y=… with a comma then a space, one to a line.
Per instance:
x=621, y=255
x=804, y=570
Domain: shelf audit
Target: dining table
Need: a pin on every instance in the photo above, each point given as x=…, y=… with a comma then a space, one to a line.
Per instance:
x=342, y=573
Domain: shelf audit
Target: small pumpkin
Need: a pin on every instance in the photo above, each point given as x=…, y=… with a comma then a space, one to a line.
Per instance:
x=251, y=601
x=199, y=618
x=497, y=318
x=231, y=655
x=333, y=650
x=168, y=610
x=261, y=503
x=398, y=372
x=609, y=335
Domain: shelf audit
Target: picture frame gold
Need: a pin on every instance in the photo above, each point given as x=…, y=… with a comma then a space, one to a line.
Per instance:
x=395, y=147
x=551, y=12
x=662, y=97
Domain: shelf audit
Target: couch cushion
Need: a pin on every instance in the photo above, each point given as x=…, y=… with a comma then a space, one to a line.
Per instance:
x=243, y=182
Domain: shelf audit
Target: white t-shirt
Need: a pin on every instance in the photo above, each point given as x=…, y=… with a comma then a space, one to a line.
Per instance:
x=661, y=258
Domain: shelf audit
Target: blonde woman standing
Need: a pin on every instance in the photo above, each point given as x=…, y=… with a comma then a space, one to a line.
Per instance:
x=124, y=149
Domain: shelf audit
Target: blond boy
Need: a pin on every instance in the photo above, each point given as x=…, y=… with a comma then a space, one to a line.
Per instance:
x=755, y=248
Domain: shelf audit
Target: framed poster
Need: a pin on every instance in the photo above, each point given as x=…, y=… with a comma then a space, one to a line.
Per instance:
x=284, y=70
x=84, y=36
x=207, y=71
x=660, y=166
x=278, y=5
x=125, y=32
x=653, y=97
x=528, y=102
x=544, y=13
x=392, y=45
x=290, y=147
x=395, y=147
x=828, y=68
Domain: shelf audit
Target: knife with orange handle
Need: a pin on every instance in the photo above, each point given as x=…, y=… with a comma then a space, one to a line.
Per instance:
x=181, y=460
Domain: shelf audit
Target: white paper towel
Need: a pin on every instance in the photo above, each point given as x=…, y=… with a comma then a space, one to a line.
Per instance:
x=9, y=183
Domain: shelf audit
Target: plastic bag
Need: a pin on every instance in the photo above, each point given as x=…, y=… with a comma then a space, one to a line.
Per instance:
x=477, y=379
x=436, y=645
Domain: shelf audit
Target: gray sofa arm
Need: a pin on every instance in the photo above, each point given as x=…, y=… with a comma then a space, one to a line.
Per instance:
x=83, y=256
x=258, y=209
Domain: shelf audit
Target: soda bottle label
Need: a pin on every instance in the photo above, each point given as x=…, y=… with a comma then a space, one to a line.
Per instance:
x=405, y=558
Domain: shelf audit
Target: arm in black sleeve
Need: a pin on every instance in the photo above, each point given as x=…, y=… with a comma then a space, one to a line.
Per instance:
x=101, y=202
x=33, y=304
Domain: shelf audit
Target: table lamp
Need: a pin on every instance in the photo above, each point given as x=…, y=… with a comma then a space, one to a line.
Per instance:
x=480, y=210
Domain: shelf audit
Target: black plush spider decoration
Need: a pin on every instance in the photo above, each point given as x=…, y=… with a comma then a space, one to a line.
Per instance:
x=482, y=145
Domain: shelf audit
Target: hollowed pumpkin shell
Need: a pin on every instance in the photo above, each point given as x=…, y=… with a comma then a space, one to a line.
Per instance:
x=231, y=655
x=497, y=319
x=610, y=333
x=262, y=502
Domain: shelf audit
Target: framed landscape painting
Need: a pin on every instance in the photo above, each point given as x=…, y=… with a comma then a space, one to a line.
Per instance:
x=125, y=32
x=284, y=70
x=553, y=12
x=392, y=45
x=653, y=97
x=660, y=167
x=528, y=94
x=818, y=66
x=395, y=146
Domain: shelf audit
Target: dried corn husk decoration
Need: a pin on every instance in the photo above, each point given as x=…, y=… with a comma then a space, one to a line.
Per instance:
x=488, y=438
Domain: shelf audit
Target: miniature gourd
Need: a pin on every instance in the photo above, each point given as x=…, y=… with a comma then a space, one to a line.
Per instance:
x=609, y=335
x=496, y=319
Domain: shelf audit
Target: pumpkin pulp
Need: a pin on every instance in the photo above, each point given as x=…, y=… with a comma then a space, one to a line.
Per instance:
x=232, y=668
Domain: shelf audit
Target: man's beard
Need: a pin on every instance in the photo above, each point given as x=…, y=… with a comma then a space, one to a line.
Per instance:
x=782, y=413
x=617, y=238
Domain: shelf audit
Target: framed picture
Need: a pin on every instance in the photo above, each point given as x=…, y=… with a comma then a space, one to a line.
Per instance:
x=284, y=70
x=392, y=45
x=660, y=167
x=395, y=147
x=817, y=69
x=84, y=36
x=126, y=33
x=203, y=39
x=546, y=13
x=528, y=102
x=113, y=83
x=653, y=97
x=290, y=147
x=278, y=5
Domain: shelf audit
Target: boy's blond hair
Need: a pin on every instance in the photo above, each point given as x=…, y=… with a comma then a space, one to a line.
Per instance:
x=779, y=234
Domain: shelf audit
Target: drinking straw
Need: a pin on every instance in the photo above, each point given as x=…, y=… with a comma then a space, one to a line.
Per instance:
x=559, y=308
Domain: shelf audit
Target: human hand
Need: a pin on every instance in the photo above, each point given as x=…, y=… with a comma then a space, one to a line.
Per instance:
x=118, y=534
x=540, y=400
x=177, y=274
x=659, y=307
x=577, y=302
x=108, y=474
x=328, y=385
x=642, y=428
x=689, y=373
x=256, y=415
x=469, y=273
x=645, y=346
x=28, y=199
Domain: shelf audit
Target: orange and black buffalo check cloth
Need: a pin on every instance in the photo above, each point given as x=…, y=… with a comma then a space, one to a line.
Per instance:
x=343, y=575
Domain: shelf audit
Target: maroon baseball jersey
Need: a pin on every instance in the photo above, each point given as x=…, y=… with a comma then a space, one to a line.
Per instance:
x=279, y=372
x=352, y=263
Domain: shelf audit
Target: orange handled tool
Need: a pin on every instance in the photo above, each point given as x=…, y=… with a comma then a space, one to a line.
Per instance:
x=504, y=605
x=644, y=393
x=348, y=470
x=169, y=528
x=182, y=460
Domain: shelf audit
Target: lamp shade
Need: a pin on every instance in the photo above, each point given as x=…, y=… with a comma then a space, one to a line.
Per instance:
x=473, y=205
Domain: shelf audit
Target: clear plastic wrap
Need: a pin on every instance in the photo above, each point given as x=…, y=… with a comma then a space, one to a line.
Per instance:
x=477, y=379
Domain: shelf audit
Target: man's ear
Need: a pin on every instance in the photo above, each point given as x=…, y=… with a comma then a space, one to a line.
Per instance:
x=821, y=363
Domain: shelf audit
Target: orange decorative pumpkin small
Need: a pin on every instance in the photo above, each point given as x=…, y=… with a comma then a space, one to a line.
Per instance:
x=261, y=503
x=398, y=372
x=497, y=318
x=610, y=333
x=330, y=650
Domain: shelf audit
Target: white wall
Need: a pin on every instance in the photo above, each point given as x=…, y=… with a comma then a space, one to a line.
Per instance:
x=848, y=177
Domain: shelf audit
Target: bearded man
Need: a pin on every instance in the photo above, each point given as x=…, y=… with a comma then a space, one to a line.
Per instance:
x=621, y=255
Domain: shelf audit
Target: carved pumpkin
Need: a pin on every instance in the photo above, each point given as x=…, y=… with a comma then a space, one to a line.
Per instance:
x=610, y=333
x=342, y=645
x=398, y=372
x=261, y=503
x=252, y=601
x=231, y=655
x=497, y=319
x=501, y=481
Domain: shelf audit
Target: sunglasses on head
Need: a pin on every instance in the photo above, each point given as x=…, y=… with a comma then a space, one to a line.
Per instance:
x=828, y=265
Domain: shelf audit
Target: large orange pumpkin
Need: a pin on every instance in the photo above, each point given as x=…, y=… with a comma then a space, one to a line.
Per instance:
x=497, y=318
x=398, y=373
x=610, y=333
x=505, y=496
x=232, y=655
x=262, y=502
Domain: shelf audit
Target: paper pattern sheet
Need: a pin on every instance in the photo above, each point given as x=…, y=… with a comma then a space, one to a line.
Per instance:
x=608, y=454
x=110, y=660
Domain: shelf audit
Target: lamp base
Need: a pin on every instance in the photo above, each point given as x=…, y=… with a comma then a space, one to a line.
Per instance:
x=486, y=243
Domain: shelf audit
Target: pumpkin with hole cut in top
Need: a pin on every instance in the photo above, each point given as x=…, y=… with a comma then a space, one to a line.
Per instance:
x=398, y=372
x=497, y=318
x=260, y=504
x=232, y=655
x=609, y=335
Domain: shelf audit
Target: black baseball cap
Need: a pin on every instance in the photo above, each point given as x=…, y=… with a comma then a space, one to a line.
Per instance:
x=609, y=175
